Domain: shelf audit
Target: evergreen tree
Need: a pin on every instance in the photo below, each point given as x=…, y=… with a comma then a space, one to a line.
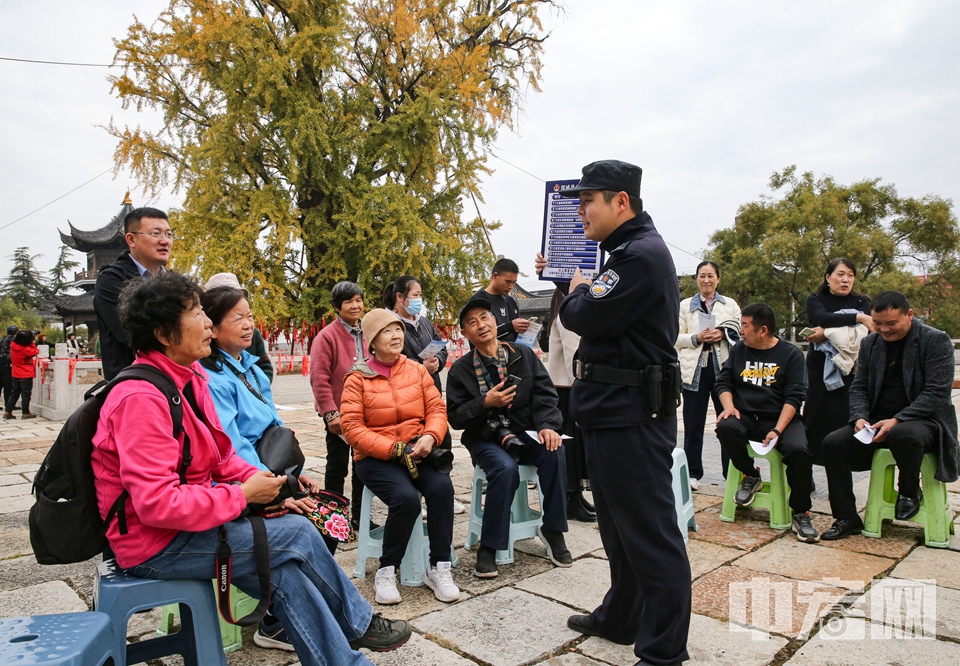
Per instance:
x=61, y=273
x=25, y=286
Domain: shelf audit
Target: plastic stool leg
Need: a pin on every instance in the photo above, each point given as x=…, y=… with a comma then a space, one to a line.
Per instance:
x=781, y=518
x=881, y=496
x=367, y=544
x=935, y=511
x=729, y=509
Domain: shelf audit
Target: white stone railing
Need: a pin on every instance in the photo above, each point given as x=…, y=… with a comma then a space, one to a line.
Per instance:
x=59, y=385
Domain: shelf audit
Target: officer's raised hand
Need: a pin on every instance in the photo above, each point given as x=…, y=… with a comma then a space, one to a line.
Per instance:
x=550, y=439
x=499, y=396
x=578, y=279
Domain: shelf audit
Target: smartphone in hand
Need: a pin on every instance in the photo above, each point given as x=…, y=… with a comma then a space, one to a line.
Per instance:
x=804, y=333
x=511, y=380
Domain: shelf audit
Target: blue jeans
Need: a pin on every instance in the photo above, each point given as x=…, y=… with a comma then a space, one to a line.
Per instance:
x=503, y=479
x=319, y=607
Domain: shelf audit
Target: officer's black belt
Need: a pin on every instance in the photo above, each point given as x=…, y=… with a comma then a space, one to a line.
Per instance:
x=607, y=374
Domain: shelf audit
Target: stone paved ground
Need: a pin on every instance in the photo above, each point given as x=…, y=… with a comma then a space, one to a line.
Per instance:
x=519, y=618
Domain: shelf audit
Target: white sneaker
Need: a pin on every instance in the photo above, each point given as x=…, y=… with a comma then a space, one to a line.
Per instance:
x=385, y=586
x=458, y=508
x=440, y=580
x=694, y=484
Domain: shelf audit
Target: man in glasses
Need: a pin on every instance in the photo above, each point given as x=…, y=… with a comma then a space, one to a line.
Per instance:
x=149, y=242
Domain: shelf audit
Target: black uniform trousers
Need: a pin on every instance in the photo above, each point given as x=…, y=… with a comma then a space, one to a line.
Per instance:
x=392, y=483
x=503, y=479
x=734, y=435
x=7, y=379
x=339, y=455
x=648, y=602
x=695, y=419
x=844, y=454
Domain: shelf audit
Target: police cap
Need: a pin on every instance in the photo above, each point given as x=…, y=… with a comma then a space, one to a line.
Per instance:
x=473, y=304
x=612, y=175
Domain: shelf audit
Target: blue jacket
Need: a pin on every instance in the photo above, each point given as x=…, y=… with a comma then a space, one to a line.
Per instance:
x=628, y=319
x=243, y=416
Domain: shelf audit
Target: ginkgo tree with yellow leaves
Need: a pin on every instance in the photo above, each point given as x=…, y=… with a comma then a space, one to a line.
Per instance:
x=321, y=140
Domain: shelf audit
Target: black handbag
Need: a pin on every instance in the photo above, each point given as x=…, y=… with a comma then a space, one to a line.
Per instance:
x=279, y=451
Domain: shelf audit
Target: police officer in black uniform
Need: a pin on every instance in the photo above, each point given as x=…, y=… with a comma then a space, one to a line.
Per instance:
x=625, y=401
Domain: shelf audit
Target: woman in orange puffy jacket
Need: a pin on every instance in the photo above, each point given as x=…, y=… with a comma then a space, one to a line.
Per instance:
x=23, y=351
x=393, y=416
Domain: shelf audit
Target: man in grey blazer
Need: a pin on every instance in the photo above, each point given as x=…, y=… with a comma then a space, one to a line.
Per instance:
x=900, y=395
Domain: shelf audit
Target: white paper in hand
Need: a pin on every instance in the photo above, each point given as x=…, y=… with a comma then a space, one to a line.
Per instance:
x=432, y=349
x=865, y=435
x=762, y=450
x=533, y=434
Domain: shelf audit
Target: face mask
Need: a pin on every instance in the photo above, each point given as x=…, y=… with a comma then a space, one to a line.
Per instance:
x=415, y=306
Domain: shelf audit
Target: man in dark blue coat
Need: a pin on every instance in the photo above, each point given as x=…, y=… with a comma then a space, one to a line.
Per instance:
x=625, y=401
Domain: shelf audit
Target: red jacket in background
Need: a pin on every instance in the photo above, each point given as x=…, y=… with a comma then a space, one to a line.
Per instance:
x=22, y=360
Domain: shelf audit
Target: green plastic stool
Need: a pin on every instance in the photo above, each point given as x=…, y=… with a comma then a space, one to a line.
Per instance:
x=773, y=496
x=935, y=514
x=231, y=634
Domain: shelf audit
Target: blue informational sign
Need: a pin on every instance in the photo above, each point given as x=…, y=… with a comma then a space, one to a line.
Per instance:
x=564, y=246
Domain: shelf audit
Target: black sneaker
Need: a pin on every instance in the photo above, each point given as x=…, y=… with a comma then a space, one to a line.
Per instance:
x=383, y=635
x=486, y=563
x=557, y=549
x=843, y=527
x=908, y=507
x=272, y=636
x=747, y=492
x=803, y=526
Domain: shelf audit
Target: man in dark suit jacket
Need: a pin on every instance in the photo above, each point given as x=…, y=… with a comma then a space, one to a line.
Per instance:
x=150, y=241
x=901, y=393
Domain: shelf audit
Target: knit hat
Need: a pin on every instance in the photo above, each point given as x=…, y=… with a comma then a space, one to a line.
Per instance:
x=375, y=321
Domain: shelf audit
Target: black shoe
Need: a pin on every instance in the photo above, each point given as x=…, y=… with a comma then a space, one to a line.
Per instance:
x=355, y=524
x=557, y=549
x=576, y=510
x=583, y=624
x=383, y=635
x=272, y=636
x=843, y=527
x=908, y=507
x=486, y=563
x=747, y=492
x=587, y=505
x=803, y=526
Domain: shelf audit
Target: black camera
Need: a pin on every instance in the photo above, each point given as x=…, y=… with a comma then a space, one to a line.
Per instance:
x=439, y=459
x=497, y=428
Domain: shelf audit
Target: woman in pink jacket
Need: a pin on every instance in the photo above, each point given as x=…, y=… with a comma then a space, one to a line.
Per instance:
x=172, y=528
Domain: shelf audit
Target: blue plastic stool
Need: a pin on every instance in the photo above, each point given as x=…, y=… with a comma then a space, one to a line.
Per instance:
x=67, y=639
x=682, y=497
x=120, y=595
x=416, y=559
x=524, y=520
x=231, y=634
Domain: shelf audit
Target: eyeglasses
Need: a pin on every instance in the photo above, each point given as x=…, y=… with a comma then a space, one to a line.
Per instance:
x=156, y=235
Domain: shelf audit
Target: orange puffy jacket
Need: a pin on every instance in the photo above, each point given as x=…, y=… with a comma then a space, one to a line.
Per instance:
x=377, y=412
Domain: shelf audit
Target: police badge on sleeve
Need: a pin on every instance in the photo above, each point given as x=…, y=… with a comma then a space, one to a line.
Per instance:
x=604, y=284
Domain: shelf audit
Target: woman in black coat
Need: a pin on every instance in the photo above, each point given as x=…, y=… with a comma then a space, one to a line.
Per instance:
x=825, y=411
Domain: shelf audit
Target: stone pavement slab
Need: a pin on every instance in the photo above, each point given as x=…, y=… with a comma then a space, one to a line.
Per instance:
x=897, y=540
x=716, y=595
x=937, y=564
x=43, y=599
x=711, y=643
x=793, y=559
x=15, y=544
x=581, y=539
x=851, y=648
x=572, y=659
x=15, y=504
x=420, y=651
x=524, y=566
x=582, y=586
x=885, y=604
x=504, y=628
x=746, y=533
x=706, y=556
x=12, y=479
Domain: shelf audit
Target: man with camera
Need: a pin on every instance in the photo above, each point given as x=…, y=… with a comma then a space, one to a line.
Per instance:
x=496, y=393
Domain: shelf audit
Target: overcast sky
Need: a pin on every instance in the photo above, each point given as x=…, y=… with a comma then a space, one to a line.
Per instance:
x=708, y=97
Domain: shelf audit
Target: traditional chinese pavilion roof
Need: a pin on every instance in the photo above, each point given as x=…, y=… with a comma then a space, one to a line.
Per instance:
x=107, y=237
x=74, y=305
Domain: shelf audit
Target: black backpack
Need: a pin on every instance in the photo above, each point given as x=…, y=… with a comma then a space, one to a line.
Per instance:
x=65, y=523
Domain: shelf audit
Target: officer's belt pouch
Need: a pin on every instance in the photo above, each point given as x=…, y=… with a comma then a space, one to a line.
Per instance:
x=672, y=383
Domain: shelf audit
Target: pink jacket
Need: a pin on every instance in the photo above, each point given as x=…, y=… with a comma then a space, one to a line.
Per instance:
x=134, y=449
x=332, y=355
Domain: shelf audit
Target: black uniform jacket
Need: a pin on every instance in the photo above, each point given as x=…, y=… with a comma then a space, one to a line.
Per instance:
x=114, y=351
x=533, y=408
x=628, y=319
x=416, y=337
